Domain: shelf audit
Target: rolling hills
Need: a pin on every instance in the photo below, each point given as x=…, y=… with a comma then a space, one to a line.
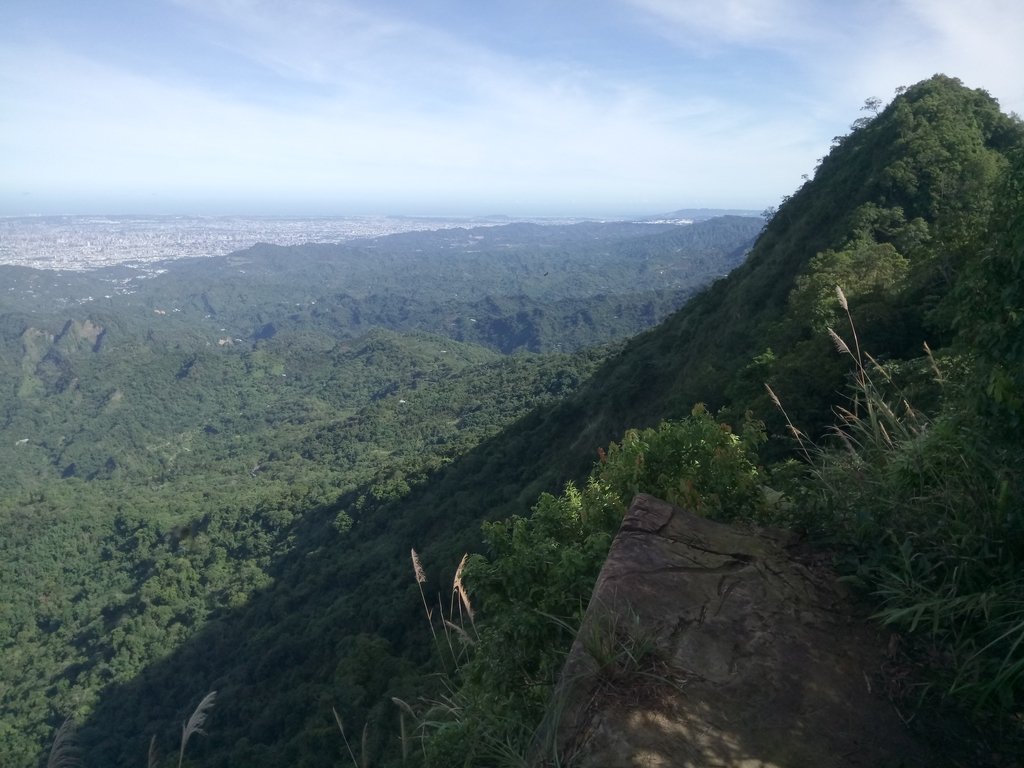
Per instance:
x=294, y=595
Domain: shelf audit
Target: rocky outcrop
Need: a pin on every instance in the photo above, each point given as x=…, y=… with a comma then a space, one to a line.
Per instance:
x=81, y=336
x=705, y=645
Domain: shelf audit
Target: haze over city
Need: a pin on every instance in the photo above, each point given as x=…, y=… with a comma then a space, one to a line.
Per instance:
x=597, y=108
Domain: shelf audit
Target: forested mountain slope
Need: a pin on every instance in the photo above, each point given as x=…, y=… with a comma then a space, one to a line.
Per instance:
x=895, y=214
x=916, y=501
x=514, y=287
x=165, y=429
x=909, y=234
x=896, y=206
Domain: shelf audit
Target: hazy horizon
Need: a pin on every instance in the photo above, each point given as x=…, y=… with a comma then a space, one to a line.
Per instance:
x=469, y=216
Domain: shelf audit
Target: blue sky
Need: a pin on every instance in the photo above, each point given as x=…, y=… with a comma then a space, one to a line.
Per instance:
x=564, y=107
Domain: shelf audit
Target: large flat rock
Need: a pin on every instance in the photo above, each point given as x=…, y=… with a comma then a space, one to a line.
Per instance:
x=706, y=645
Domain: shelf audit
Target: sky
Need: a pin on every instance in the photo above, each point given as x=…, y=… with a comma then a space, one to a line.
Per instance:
x=455, y=107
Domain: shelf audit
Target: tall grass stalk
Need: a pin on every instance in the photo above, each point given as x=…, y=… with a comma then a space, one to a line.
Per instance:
x=926, y=510
x=403, y=710
x=457, y=639
x=421, y=579
x=344, y=738
x=195, y=723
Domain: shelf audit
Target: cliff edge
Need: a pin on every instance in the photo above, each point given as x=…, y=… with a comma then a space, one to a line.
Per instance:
x=705, y=645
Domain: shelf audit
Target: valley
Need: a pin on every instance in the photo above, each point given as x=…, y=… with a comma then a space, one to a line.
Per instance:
x=172, y=434
x=214, y=479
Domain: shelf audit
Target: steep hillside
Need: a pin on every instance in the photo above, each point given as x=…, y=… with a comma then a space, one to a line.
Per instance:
x=906, y=195
x=918, y=503
x=890, y=214
x=170, y=432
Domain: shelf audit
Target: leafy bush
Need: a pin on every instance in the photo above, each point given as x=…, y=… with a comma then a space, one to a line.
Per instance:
x=696, y=463
x=534, y=586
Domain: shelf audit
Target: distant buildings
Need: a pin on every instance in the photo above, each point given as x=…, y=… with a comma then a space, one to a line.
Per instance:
x=89, y=242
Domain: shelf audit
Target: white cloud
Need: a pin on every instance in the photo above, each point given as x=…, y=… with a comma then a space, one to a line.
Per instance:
x=354, y=52
x=346, y=103
x=862, y=48
x=82, y=125
x=979, y=42
x=755, y=23
x=305, y=39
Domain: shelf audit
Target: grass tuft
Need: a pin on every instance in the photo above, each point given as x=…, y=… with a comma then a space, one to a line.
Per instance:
x=928, y=514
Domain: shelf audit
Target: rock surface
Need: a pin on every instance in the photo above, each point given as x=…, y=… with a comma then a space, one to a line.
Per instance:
x=709, y=646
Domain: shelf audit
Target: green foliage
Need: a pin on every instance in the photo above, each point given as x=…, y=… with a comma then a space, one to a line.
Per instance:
x=181, y=514
x=535, y=584
x=924, y=509
x=697, y=463
x=990, y=301
x=928, y=512
x=143, y=504
x=518, y=287
x=874, y=270
x=247, y=437
x=533, y=587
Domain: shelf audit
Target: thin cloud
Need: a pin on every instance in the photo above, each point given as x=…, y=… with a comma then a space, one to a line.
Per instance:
x=755, y=23
x=543, y=143
x=979, y=42
x=314, y=41
x=862, y=48
x=359, y=103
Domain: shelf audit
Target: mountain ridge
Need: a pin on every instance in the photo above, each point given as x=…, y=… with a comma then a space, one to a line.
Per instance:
x=307, y=639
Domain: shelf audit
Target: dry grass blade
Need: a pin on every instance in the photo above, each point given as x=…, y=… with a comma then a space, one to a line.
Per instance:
x=888, y=412
x=403, y=736
x=842, y=299
x=878, y=367
x=460, y=588
x=855, y=354
x=885, y=436
x=152, y=759
x=460, y=632
x=421, y=579
x=796, y=433
x=840, y=344
x=63, y=752
x=845, y=438
x=935, y=367
x=417, y=567
x=344, y=738
x=195, y=723
x=846, y=415
x=401, y=704
x=444, y=622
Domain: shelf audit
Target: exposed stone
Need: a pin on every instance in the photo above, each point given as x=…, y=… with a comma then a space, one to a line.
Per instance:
x=705, y=645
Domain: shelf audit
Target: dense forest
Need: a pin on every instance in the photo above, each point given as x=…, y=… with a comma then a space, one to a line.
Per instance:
x=859, y=377
x=172, y=431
